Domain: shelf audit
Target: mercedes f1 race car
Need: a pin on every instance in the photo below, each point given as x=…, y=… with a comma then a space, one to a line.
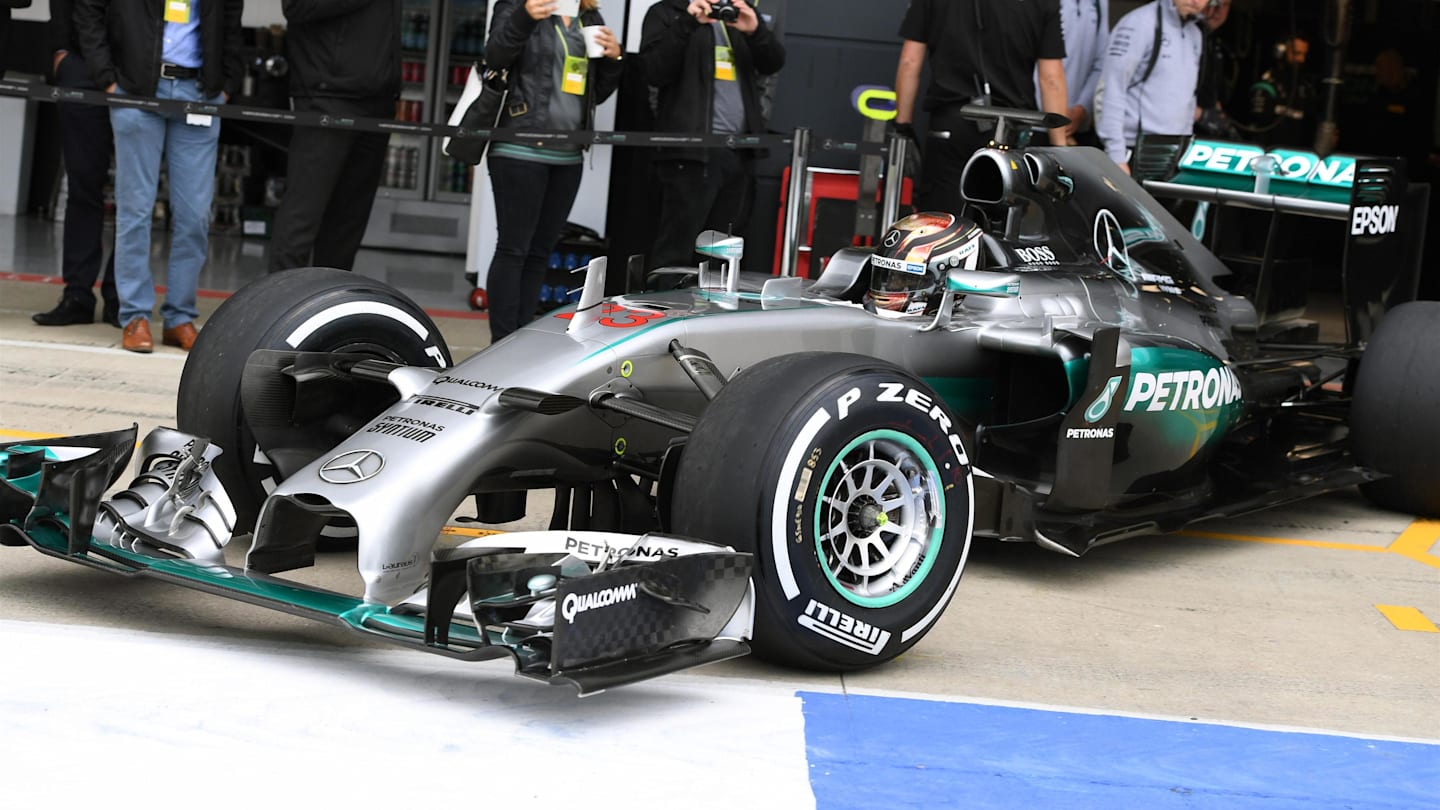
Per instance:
x=794, y=465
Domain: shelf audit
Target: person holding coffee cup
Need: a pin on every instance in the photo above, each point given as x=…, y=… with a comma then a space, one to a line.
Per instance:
x=561, y=66
x=595, y=40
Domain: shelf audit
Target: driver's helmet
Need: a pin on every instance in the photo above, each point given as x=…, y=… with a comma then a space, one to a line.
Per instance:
x=908, y=270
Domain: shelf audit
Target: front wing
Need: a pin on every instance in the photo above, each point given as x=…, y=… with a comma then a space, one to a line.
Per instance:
x=646, y=607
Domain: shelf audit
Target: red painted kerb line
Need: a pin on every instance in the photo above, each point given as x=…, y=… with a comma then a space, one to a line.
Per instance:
x=33, y=278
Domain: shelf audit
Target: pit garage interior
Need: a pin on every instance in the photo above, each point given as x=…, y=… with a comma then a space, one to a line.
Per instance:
x=1283, y=659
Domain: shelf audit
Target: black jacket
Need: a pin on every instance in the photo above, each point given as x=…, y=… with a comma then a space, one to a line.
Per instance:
x=122, y=42
x=678, y=57
x=343, y=48
x=61, y=28
x=63, y=37
x=526, y=48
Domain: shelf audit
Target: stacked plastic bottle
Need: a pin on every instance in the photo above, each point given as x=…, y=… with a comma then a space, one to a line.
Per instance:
x=415, y=32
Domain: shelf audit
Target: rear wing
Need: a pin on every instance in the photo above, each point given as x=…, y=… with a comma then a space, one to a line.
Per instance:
x=1383, y=214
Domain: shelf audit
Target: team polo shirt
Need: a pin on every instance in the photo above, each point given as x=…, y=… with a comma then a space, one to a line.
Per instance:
x=1013, y=33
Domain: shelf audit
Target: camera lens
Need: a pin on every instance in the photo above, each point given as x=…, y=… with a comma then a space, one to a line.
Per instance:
x=724, y=11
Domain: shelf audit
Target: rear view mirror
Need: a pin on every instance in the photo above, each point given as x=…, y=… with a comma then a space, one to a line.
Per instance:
x=726, y=247
x=980, y=282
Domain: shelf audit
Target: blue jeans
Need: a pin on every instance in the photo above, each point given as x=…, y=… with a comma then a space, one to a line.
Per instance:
x=140, y=139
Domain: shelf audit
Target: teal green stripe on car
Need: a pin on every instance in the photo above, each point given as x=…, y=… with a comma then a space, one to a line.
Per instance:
x=367, y=616
x=970, y=397
x=1077, y=374
x=1171, y=387
x=668, y=320
x=217, y=576
x=29, y=484
x=975, y=283
x=631, y=334
x=1306, y=175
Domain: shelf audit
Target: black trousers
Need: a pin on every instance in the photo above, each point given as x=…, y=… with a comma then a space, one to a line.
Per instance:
x=717, y=194
x=86, y=144
x=329, y=191
x=943, y=162
x=532, y=203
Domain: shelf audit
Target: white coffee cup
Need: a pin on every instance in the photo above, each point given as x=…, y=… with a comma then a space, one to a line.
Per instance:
x=593, y=48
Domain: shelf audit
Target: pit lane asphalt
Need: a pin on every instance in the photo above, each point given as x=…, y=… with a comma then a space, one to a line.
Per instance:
x=1270, y=619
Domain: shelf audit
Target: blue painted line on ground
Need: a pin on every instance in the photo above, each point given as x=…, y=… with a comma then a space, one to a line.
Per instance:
x=873, y=752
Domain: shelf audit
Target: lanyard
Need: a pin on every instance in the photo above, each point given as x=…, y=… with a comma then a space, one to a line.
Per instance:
x=572, y=68
x=560, y=35
x=724, y=57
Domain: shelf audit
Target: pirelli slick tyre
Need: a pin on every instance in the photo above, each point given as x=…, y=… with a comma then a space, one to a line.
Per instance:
x=1395, y=417
x=311, y=309
x=848, y=479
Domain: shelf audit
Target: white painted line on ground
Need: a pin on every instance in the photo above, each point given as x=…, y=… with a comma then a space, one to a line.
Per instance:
x=75, y=347
x=96, y=715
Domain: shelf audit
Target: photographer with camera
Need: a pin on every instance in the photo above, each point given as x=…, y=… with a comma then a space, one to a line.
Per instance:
x=704, y=59
x=981, y=52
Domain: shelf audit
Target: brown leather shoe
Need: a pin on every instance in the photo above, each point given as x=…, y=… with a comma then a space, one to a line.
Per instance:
x=136, y=337
x=182, y=335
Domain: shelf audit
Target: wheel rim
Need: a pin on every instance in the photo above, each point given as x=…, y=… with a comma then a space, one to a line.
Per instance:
x=880, y=519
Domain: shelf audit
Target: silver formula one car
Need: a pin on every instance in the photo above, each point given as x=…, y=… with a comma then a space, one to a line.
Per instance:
x=799, y=465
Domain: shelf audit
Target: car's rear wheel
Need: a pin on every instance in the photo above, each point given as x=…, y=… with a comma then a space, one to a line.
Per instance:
x=848, y=480
x=311, y=310
x=1395, y=418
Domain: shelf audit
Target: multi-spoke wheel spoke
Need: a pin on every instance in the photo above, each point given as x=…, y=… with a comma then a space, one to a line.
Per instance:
x=877, y=516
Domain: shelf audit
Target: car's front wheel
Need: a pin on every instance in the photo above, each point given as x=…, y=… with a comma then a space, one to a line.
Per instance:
x=848, y=479
x=306, y=310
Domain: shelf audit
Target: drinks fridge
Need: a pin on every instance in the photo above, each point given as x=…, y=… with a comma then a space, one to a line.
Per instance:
x=423, y=201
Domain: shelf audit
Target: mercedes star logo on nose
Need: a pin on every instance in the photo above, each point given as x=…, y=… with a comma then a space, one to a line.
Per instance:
x=891, y=238
x=352, y=467
x=1110, y=241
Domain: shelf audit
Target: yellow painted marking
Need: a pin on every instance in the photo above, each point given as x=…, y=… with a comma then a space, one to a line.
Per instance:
x=1407, y=618
x=466, y=531
x=1413, y=544
x=1417, y=540
x=26, y=434
x=1283, y=541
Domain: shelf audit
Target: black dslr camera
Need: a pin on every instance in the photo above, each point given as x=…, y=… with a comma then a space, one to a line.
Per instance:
x=724, y=11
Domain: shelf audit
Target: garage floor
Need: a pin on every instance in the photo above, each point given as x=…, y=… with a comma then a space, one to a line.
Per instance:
x=1319, y=616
